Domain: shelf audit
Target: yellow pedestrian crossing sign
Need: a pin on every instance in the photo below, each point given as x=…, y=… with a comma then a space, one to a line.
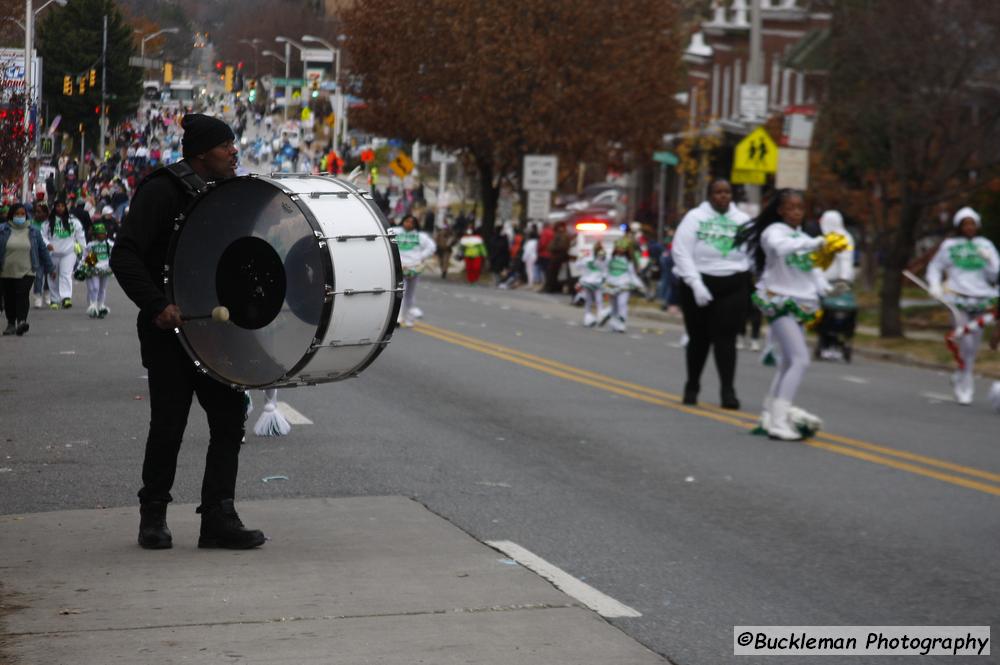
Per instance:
x=756, y=152
x=402, y=165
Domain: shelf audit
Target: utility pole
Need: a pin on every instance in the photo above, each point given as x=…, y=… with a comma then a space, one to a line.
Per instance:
x=104, y=77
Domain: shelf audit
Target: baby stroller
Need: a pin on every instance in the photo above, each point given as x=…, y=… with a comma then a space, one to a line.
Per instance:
x=836, y=329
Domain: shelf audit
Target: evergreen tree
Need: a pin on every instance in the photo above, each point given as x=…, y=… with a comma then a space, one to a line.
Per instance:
x=70, y=43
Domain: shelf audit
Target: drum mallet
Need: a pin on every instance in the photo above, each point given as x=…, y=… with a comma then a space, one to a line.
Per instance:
x=220, y=314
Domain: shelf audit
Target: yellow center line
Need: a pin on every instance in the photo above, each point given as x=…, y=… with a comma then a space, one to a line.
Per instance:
x=829, y=442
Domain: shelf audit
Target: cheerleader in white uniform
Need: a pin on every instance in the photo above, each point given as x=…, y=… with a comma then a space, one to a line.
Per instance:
x=970, y=263
x=415, y=247
x=621, y=279
x=592, y=271
x=97, y=271
x=787, y=294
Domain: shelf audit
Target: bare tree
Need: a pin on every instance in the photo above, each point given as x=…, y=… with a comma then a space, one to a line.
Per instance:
x=499, y=80
x=914, y=114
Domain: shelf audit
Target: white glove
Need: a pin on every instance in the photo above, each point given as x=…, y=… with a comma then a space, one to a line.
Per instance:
x=937, y=292
x=823, y=285
x=702, y=296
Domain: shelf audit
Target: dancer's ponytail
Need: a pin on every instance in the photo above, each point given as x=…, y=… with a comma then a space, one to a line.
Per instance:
x=749, y=236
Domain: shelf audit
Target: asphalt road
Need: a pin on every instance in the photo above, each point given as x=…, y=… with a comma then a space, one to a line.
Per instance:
x=500, y=413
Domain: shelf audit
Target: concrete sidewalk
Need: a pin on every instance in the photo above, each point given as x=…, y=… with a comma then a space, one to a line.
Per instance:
x=355, y=580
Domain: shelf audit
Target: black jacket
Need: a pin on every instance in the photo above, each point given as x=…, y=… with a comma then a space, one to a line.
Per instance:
x=141, y=252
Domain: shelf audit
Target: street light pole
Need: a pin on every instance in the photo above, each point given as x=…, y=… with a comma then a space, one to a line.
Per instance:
x=285, y=61
x=288, y=82
x=755, y=75
x=104, y=78
x=252, y=43
x=338, y=105
x=288, y=57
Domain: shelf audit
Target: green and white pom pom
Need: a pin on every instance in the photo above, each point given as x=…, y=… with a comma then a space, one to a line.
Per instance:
x=806, y=423
x=271, y=421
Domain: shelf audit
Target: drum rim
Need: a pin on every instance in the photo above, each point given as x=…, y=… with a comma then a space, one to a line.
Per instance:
x=390, y=323
x=330, y=283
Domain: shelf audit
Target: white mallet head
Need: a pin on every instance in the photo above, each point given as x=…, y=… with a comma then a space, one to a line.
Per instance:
x=220, y=314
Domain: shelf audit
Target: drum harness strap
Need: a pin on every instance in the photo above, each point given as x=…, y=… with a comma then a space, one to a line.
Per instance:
x=184, y=175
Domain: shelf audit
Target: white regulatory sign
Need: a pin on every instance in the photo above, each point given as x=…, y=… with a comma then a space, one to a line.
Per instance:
x=540, y=172
x=753, y=101
x=539, y=204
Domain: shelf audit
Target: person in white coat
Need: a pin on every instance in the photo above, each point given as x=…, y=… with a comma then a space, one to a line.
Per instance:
x=63, y=234
x=971, y=264
x=842, y=268
x=714, y=274
x=415, y=247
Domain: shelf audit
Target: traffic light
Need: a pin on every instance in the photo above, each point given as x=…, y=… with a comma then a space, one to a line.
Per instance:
x=314, y=89
x=229, y=79
x=93, y=78
x=252, y=94
x=239, y=65
x=67, y=85
x=168, y=72
x=83, y=84
x=219, y=65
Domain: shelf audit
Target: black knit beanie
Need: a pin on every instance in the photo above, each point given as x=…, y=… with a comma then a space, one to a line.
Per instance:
x=202, y=133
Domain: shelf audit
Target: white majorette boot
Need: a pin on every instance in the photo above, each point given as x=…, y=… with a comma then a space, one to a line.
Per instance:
x=995, y=396
x=617, y=324
x=589, y=320
x=965, y=388
x=802, y=419
x=765, y=415
x=781, y=427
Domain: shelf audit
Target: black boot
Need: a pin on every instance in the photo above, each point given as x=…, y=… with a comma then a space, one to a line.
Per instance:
x=729, y=399
x=153, y=531
x=690, y=394
x=221, y=527
x=10, y=329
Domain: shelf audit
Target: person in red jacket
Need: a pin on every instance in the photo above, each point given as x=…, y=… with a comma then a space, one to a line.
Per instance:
x=544, y=254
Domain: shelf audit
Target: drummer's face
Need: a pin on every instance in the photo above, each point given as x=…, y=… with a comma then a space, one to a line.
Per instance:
x=221, y=160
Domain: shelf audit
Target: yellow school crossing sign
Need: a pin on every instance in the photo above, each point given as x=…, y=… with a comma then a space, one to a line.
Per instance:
x=401, y=165
x=755, y=156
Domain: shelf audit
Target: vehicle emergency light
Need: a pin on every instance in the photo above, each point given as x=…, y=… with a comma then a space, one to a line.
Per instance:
x=591, y=225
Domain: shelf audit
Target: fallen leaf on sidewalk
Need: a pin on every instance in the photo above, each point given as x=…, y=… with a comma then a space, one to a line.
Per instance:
x=69, y=611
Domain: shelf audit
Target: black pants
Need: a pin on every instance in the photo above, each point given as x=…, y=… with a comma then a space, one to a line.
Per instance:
x=173, y=382
x=715, y=327
x=754, y=318
x=15, y=297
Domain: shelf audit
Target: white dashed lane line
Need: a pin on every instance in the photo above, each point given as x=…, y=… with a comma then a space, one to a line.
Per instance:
x=292, y=416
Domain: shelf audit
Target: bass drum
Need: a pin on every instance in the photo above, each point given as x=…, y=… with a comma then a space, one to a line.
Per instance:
x=306, y=268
